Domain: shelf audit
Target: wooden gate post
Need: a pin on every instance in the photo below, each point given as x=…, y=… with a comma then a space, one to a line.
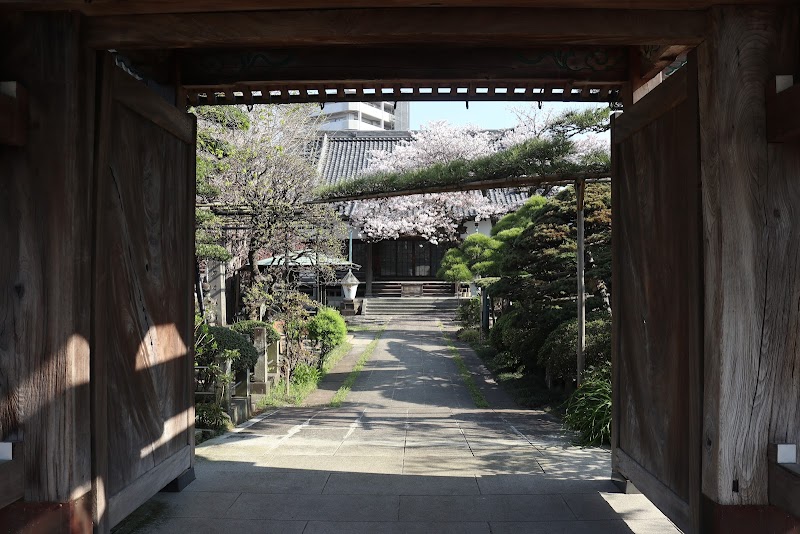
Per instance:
x=46, y=229
x=751, y=245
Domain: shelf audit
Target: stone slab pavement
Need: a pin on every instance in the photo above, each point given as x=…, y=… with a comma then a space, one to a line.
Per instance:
x=332, y=381
x=408, y=452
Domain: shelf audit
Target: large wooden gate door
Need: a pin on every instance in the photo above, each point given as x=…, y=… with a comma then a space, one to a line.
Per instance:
x=658, y=297
x=142, y=364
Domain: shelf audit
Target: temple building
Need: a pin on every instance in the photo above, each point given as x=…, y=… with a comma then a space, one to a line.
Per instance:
x=407, y=265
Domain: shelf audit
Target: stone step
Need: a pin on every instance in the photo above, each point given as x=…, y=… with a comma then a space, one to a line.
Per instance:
x=429, y=288
x=410, y=306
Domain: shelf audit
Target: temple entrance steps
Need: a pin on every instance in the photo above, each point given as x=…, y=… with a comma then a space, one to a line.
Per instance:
x=402, y=288
x=410, y=306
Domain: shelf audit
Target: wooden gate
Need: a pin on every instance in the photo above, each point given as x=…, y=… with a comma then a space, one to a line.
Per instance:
x=143, y=411
x=658, y=297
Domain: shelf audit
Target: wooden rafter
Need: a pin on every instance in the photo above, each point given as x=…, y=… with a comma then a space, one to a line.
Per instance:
x=396, y=27
x=509, y=91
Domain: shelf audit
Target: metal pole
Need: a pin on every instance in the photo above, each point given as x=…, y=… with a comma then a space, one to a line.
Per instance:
x=350, y=252
x=580, y=186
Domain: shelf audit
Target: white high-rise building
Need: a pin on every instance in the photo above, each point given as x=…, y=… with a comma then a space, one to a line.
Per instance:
x=365, y=116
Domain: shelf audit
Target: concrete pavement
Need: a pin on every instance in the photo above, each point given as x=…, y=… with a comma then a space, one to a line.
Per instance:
x=407, y=452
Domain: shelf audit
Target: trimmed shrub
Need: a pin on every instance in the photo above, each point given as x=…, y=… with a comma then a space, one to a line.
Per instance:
x=589, y=407
x=327, y=328
x=469, y=335
x=468, y=312
x=558, y=351
x=228, y=339
x=504, y=361
x=246, y=328
x=497, y=334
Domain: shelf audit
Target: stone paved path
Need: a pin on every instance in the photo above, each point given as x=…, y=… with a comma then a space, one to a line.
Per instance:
x=332, y=381
x=408, y=452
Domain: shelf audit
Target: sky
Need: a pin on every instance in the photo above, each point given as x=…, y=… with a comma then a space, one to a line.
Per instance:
x=486, y=115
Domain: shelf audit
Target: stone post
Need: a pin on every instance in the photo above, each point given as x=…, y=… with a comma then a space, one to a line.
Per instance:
x=216, y=295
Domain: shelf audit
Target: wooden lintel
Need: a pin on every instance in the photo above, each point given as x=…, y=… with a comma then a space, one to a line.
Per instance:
x=131, y=7
x=783, y=114
x=212, y=67
x=396, y=27
x=13, y=114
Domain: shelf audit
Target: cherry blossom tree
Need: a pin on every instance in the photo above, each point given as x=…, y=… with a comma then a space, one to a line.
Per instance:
x=435, y=217
x=261, y=179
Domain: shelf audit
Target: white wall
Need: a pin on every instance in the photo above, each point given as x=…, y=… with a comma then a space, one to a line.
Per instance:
x=484, y=227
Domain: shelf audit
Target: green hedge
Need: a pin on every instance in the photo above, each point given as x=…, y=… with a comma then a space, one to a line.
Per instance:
x=559, y=349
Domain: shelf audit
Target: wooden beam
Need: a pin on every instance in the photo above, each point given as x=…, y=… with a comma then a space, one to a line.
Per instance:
x=13, y=114
x=115, y=7
x=396, y=27
x=599, y=64
x=520, y=181
x=783, y=114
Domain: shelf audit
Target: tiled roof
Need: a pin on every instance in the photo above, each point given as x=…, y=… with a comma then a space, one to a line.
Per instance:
x=340, y=156
x=343, y=155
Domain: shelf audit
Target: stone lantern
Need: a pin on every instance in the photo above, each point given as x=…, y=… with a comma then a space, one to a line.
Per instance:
x=349, y=288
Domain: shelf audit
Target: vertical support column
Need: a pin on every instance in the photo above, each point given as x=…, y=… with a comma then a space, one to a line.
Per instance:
x=752, y=244
x=46, y=268
x=484, y=313
x=369, y=269
x=580, y=188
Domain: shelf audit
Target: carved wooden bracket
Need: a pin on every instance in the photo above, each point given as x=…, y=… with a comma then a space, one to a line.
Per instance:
x=783, y=110
x=650, y=60
x=13, y=114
